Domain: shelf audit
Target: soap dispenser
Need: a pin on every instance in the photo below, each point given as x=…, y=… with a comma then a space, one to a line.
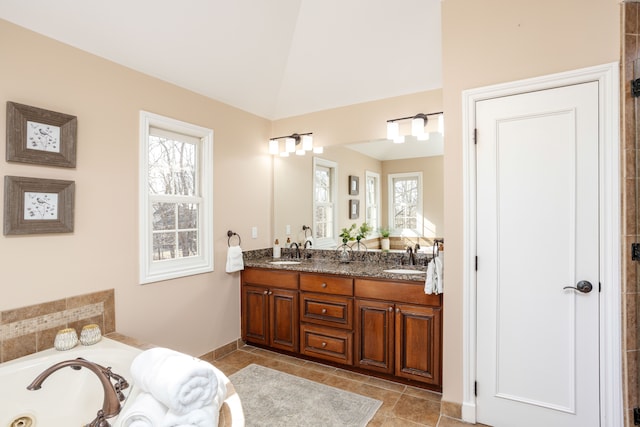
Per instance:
x=276, y=249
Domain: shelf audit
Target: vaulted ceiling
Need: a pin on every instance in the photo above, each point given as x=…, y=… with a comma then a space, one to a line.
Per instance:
x=272, y=58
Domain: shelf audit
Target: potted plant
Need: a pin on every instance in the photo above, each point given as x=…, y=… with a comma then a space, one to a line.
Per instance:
x=347, y=235
x=363, y=231
x=384, y=239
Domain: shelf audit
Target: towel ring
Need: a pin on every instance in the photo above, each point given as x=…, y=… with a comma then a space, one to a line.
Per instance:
x=305, y=228
x=230, y=234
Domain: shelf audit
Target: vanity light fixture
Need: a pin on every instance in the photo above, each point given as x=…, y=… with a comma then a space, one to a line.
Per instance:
x=418, y=125
x=298, y=143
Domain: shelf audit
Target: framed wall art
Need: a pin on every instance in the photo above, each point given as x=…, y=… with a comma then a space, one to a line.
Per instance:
x=354, y=209
x=35, y=206
x=354, y=185
x=40, y=137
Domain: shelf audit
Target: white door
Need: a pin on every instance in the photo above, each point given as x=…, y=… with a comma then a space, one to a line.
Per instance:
x=537, y=234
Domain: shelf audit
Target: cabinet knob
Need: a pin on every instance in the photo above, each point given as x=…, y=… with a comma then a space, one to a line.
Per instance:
x=266, y=292
x=324, y=311
x=270, y=292
x=324, y=285
x=390, y=308
x=324, y=344
x=397, y=310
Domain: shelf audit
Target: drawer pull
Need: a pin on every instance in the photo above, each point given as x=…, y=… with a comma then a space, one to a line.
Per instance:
x=324, y=311
x=324, y=285
x=324, y=344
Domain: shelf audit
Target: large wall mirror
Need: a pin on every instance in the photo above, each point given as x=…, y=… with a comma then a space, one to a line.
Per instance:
x=399, y=187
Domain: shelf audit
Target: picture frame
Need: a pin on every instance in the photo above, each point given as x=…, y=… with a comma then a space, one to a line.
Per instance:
x=36, y=206
x=354, y=185
x=40, y=137
x=354, y=209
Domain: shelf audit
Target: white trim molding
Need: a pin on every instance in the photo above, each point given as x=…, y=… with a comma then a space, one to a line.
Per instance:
x=607, y=76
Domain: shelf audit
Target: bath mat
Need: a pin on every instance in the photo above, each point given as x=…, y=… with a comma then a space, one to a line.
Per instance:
x=274, y=398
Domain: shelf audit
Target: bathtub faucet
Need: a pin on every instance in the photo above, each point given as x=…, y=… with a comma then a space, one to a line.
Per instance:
x=112, y=392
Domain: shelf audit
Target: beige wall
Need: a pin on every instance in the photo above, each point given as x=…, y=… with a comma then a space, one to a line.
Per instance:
x=195, y=314
x=492, y=41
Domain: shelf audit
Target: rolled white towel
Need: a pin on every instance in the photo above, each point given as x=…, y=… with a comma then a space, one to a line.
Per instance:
x=203, y=417
x=143, y=411
x=428, y=283
x=179, y=381
x=234, y=259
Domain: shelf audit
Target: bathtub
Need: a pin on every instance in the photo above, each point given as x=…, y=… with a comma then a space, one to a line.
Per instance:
x=72, y=398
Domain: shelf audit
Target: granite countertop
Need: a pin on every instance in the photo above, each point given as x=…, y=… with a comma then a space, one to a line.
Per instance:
x=371, y=265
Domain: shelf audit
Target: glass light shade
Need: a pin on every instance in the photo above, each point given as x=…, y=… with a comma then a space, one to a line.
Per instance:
x=307, y=142
x=399, y=139
x=393, y=130
x=290, y=145
x=273, y=146
x=417, y=126
x=318, y=150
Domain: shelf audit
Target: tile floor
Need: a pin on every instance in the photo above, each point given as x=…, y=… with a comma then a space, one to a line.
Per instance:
x=402, y=405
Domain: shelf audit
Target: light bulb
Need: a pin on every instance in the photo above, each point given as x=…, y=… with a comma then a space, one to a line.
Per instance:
x=307, y=142
x=417, y=126
x=290, y=145
x=393, y=130
x=273, y=146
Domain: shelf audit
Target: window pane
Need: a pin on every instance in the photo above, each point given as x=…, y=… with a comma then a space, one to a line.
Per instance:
x=187, y=244
x=187, y=215
x=172, y=167
x=164, y=246
x=164, y=216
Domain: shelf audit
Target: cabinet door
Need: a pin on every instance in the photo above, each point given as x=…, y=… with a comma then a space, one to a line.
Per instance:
x=374, y=335
x=418, y=343
x=255, y=314
x=284, y=319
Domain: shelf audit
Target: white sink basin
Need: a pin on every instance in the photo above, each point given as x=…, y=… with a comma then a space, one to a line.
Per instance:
x=284, y=262
x=404, y=271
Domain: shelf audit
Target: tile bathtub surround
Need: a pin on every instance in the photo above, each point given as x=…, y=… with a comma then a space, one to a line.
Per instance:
x=33, y=328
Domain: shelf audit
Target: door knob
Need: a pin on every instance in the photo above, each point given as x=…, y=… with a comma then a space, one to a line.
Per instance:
x=583, y=286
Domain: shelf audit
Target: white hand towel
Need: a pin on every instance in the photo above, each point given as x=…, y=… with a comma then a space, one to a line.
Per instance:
x=143, y=411
x=234, y=259
x=179, y=381
x=203, y=417
x=428, y=284
x=439, y=274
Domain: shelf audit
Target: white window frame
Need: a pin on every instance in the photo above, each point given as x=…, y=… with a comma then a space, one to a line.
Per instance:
x=420, y=210
x=378, y=206
x=155, y=271
x=333, y=166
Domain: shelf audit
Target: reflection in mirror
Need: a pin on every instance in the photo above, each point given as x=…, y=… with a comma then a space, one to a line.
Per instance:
x=400, y=189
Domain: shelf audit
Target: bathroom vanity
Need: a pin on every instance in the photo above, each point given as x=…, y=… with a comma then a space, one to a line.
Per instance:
x=355, y=316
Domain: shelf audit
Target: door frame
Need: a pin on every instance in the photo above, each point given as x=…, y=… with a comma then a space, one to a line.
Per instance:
x=608, y=76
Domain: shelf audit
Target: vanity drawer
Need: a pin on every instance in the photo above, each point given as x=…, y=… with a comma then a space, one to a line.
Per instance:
x=326, y=284
x=396, y=291
x=266, y=277
x=330, y=344
x=328, y=310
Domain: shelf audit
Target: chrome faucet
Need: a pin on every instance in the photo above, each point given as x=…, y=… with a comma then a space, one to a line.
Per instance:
x=295, y=254
x=112, y=392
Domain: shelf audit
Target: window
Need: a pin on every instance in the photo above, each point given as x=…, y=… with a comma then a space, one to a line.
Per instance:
x=324, y=202
x=176, y=198
x=372, y=199
x=405, y=203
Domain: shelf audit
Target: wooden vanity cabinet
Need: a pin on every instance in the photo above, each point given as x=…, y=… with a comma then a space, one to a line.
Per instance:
x=398, y=330
x=326, y=317
x=270, y=308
